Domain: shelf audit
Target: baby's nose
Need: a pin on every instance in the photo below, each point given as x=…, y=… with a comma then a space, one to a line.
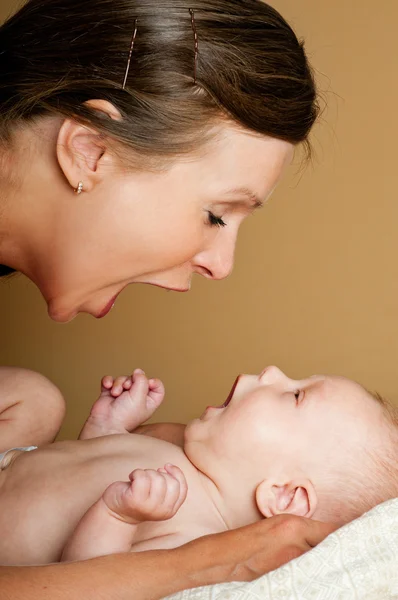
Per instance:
x=272, y=375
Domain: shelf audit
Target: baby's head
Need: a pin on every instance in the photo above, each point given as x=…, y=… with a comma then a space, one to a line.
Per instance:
x=322, y=447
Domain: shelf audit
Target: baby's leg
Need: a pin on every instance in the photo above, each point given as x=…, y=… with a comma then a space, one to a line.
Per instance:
x=31, y=408
x=110, y=525
x=124, y=404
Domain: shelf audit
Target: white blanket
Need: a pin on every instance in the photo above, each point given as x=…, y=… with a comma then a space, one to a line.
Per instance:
x=357, y=562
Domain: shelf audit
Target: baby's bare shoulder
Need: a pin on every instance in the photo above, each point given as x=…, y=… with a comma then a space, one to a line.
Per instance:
x=143, y=448
x=116, y=452
x=130, y=440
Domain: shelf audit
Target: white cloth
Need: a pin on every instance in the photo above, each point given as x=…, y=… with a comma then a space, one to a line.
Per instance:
x=357, y=562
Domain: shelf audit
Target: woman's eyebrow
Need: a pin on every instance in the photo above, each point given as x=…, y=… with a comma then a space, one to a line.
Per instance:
x=249, y=195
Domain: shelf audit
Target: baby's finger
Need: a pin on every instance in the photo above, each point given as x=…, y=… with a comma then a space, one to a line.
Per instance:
x=156, y=386
x=156, y=392
x=158, y=489
x=118, y=384
x=140, y=384
x=137, y=372
x=127, y=384
x=141, y=484
x=164, y=494
x=106, y=382
x=176, y=472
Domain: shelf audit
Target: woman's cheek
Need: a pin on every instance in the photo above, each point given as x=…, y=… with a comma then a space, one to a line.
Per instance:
x=183, y=245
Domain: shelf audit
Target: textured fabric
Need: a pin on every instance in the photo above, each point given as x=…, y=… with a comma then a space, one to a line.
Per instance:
x=357, y=562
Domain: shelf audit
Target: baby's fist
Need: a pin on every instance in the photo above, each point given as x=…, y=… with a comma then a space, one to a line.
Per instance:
x=150, y=496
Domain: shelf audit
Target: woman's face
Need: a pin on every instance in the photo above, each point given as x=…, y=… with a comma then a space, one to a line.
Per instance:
x=160, y=227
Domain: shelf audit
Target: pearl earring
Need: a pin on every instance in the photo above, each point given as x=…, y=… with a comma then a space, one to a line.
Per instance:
x=79, y=188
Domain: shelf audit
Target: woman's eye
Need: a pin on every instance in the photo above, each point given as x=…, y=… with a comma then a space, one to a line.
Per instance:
x=216, y=221
x=299, y=395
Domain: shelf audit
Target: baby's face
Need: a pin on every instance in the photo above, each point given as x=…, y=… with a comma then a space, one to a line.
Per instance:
x=271, y=424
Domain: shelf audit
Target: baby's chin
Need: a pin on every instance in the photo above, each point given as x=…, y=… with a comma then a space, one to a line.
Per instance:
x=188, y=431
x=192, y=436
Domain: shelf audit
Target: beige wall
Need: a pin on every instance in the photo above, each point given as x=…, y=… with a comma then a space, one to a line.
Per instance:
x=315, y=288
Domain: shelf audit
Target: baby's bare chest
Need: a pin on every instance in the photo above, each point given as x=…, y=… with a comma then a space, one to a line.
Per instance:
x=46, y=492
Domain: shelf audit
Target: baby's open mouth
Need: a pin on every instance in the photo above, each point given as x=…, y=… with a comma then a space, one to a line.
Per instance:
x=231, y=393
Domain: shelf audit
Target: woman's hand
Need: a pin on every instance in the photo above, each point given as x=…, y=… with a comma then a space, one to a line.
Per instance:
x=249, y=552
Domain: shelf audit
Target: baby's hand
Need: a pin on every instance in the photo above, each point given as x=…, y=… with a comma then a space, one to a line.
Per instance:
x=141, y=389
x=149, y=496
x=125, y=403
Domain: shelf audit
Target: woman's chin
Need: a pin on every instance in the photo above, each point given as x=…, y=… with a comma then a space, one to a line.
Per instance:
x=60, y=317
x=61, y=314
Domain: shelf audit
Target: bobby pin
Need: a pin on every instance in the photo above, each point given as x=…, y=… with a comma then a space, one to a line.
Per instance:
x=130, y=54
x=196, y=41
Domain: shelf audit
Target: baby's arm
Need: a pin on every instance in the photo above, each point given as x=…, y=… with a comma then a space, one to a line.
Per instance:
x=31, y=408
x=110, y=525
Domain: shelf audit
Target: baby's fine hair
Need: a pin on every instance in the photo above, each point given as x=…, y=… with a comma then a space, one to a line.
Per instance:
x=366, y=483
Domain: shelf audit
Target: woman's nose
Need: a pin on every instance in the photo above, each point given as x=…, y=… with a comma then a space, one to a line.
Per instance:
x=217, y=260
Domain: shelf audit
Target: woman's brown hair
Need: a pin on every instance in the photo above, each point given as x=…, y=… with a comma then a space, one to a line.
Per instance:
x=247, y=66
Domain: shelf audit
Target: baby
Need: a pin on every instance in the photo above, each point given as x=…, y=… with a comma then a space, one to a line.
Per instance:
x=322, y=448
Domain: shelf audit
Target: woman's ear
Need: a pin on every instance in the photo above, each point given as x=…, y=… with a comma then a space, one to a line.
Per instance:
x=81, y=149
x=294, y=497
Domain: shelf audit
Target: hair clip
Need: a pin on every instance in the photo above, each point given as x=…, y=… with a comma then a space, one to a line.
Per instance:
x=130, y=54
x=196, y=42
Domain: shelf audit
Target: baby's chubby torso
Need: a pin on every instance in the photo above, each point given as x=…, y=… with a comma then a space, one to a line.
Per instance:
x=44, y=494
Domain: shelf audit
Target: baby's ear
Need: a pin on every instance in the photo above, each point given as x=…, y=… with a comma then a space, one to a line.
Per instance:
x=294, y=498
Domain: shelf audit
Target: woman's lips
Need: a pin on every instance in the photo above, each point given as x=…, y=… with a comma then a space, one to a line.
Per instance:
x=111, y=302
x=107, y=308
x=171, y=289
